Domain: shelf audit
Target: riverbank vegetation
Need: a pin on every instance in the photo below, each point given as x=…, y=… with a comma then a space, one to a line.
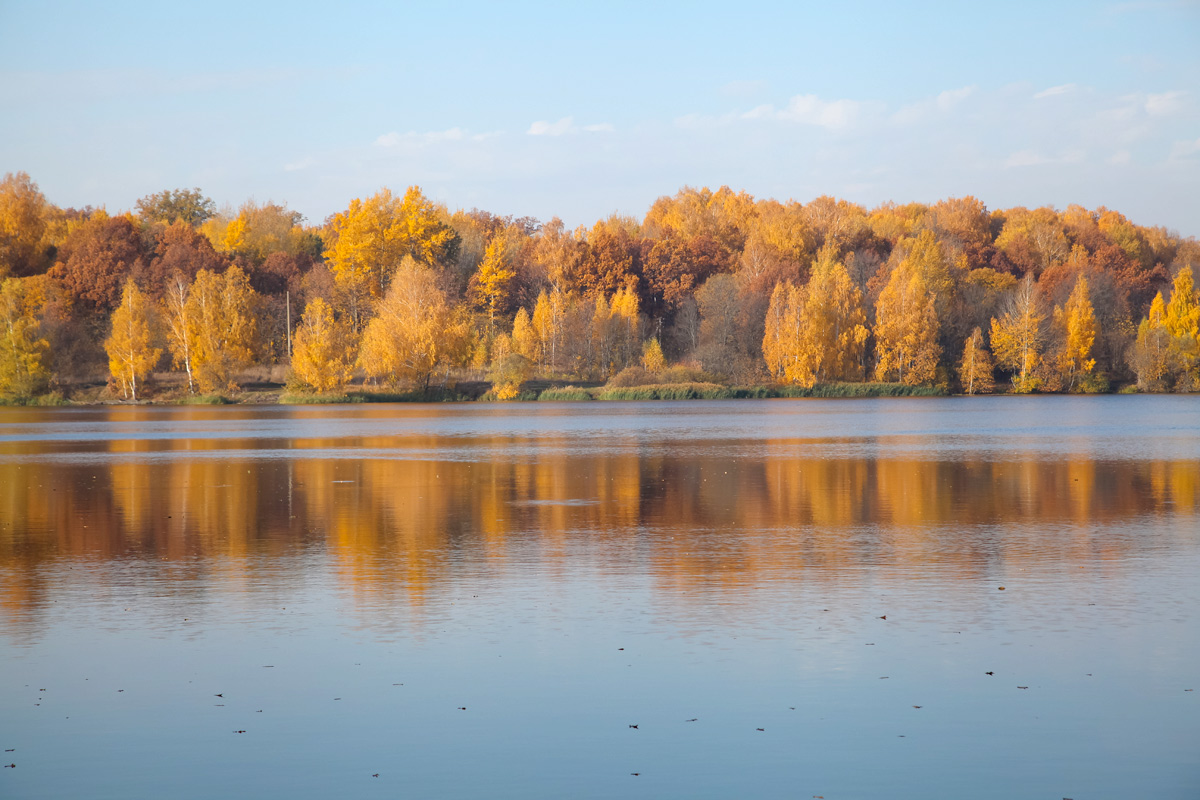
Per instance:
x=711, y=294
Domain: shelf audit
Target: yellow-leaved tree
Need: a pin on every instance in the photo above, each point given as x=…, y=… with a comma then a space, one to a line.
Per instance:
x=525, y=339
x=1077, y=326
x=415, y=332
x=1183, y=323
x=1152, y=355
x=369, y=239
x=906, y=328
x=817, y=333
x=547, y=324
x=653, y=359
x=323, y=351
x=975, y=371
x=23, y=352
x=493, y=280
x=1017, y=336
x=131, y=354
x=222, y=327
x=175, y=317
x=615, y=340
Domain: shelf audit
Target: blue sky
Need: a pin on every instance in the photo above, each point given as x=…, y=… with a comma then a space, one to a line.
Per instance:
x=580, y=110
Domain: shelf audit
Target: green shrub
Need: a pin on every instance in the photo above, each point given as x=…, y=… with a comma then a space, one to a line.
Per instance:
x=565, y=394
x=669, y=391
x=205, y=400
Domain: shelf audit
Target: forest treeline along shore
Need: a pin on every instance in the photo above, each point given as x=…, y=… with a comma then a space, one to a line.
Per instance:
x=711, y=288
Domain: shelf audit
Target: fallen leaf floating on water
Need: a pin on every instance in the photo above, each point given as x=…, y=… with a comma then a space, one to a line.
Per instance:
x=462, y=708
x=916, y=706
x=375, y=775
x=697, y=719
x=635, y=774
x=761, y=729
x=989, y=673
x=239, y=731
x=884, y=616
x=1000, y=589
x=10, y=766
x=633, y=726
x=1022, y=687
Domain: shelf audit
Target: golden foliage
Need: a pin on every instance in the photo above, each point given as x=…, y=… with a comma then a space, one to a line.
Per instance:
x=1017, y=336
x=370, y=238
x=652, y=356
x=130, y=354
x=1152, y=353
x=525, y=339
x=415, y=331
x=221, y=327
x=816, y=333
x=23, y=352
x=906, y=327
x=975, y=370
x=323, y=353
x=1077, y=323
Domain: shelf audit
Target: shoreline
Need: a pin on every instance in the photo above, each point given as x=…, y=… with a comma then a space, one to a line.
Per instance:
x=279, y=396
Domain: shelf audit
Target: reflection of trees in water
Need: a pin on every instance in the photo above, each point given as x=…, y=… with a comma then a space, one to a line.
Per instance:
x=394, y=528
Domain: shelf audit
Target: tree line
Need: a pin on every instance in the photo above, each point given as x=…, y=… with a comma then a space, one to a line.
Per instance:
x=398, y=290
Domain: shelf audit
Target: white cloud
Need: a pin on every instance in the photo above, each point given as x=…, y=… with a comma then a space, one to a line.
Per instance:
x=1119, y=158
x=543, y=128
x=808, y=109
x=1184, y=149
x=921, y=110
x=1166, y=103
x=395, y=139
x=952, y=97
x=565, y=126
x=1053, y=91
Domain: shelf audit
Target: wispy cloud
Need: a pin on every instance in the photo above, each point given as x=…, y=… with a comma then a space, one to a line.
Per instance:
x=941, y=103
x=395, y=139
x=1185, y=150
x=1165, y=103
x=1054, y=91
x=565, y=126
x=808, y=109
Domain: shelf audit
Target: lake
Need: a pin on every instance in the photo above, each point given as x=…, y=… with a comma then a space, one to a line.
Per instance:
x=900, y=598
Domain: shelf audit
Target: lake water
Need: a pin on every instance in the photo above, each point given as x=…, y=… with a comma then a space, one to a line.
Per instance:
x=984, y=598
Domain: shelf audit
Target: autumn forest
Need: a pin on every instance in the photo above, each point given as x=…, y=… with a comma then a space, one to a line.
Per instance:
x=179, y=299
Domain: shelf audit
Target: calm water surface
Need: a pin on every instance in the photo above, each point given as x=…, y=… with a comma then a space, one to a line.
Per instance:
x=786, y=598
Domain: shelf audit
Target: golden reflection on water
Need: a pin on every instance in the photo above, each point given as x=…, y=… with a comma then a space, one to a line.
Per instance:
x=396, y=525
